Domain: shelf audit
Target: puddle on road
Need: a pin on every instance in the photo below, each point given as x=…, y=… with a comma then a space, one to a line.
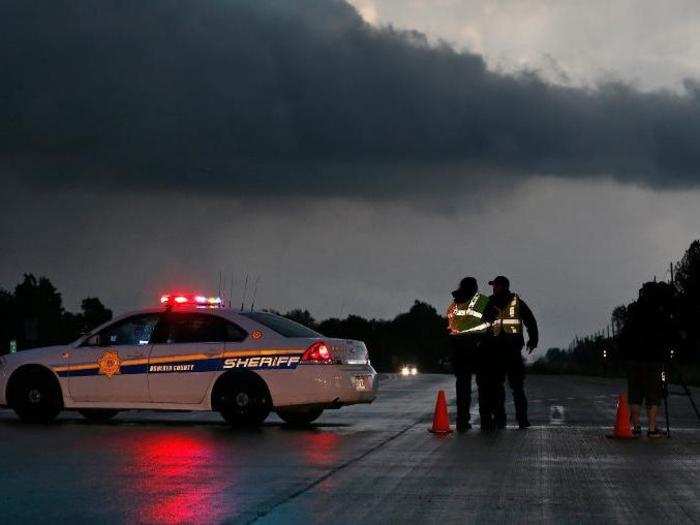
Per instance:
x=557, y=415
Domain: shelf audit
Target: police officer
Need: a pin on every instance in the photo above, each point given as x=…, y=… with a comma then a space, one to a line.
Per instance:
x=466, y=327
x=507, y=313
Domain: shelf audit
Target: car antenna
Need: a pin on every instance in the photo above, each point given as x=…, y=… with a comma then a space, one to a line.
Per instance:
x=245, y=291
x=230, y=292
x=255, y=292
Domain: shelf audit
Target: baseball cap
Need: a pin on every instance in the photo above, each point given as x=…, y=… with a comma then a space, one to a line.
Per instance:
x=503, y=281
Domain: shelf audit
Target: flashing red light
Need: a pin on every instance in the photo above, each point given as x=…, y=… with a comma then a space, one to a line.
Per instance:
x=198, y=300
x=318, y=353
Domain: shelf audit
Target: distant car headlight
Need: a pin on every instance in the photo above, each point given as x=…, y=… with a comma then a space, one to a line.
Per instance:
x=414, y=371
x=405, y=371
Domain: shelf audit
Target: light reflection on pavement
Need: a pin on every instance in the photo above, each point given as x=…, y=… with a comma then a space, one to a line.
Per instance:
x=361, y=464
x=173, y=481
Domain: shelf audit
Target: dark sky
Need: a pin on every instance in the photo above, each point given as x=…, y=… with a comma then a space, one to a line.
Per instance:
x=354, y=167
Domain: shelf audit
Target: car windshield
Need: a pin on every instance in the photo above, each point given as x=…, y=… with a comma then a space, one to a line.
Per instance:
x=281, y=325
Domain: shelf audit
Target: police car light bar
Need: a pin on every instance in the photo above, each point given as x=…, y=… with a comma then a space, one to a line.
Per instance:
x=200, y=301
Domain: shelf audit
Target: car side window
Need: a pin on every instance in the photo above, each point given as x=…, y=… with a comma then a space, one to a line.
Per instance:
x=134, y=330
x=234, y=333
x=199, y=328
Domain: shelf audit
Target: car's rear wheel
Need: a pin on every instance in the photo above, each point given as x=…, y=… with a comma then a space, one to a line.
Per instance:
x=35, y=396
x=242, y=401
x=98, y=415
x=299, y=417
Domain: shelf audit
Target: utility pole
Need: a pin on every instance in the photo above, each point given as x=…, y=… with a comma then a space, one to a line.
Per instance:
x=670, y=268
x=245, y=291
x=255, y=293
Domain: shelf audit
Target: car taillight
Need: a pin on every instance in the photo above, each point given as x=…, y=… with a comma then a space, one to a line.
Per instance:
x=317, y=353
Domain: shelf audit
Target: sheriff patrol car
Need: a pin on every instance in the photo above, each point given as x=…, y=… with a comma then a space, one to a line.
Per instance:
x=191, y=354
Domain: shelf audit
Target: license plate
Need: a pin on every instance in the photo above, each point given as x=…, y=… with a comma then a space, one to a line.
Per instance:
x=362, y=383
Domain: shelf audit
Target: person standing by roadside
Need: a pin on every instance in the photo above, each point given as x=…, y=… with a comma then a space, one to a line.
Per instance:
x=508, y=314
x=467, y=329
x=649, y=330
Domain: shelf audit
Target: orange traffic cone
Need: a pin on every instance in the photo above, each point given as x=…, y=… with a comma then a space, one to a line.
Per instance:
x=441, y=419
x=623, y=427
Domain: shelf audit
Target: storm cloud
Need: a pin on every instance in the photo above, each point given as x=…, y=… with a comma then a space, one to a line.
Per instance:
x=293, y=97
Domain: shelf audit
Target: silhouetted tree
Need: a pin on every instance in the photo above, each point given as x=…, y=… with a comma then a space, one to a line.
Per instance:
x=301, y=317
x=94, y=313
x=418, y=336
x=618, y=317
x=8, y=320
x=34, y=315
x=556, y=355
x=687, y=281
x=39, y=312
x=687, y=272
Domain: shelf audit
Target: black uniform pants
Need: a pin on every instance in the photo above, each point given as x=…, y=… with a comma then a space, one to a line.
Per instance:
x=464, y=364
x=489, y=381
x=515, y=372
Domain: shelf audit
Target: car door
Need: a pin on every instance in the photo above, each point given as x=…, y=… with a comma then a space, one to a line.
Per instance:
x=111, y=365
x=186, y=354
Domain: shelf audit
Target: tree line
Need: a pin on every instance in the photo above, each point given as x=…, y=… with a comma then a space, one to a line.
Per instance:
x=673, y=310
x=417, y=337
x=33, y=315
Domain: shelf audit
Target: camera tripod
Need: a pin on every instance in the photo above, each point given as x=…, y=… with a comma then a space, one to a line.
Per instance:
x=668, y=392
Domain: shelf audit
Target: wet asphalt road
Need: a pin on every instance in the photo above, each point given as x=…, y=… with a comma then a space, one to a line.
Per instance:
x=364, y=464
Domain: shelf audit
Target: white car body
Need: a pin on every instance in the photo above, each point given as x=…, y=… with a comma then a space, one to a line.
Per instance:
x=181, y=376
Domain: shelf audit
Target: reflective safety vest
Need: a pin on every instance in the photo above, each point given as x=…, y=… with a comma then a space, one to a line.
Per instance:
x=508, y=320
x=466, y=318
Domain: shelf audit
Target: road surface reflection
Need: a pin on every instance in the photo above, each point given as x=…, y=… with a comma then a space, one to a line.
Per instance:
x=174, y=478
x=321, y=449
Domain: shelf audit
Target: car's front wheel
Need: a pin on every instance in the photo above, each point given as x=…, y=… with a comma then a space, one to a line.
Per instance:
x=299, y=417
x=243, y=401
x=35, y=396
x=98, y=415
